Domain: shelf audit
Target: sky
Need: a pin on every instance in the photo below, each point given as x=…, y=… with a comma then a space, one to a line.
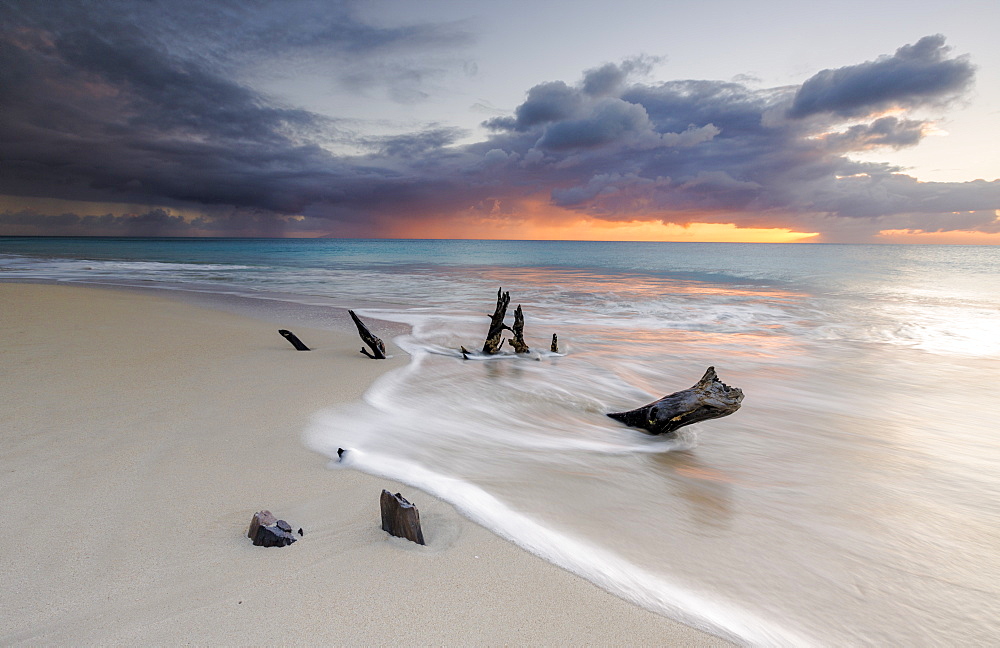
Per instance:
x=716, y=120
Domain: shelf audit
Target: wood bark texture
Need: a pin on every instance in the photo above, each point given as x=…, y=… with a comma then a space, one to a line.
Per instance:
x=373, y=342
x=494, y=338
x=709, y=398
x=400, y=518
x=520, y=346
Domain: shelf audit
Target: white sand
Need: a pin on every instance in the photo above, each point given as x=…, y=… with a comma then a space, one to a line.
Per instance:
x=138, y=436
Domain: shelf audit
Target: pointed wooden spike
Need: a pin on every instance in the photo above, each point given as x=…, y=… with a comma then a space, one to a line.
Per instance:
x=373, y=342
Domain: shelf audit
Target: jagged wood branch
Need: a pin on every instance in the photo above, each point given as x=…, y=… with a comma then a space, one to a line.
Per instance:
x=520, y=346
x=494, y=338
x=373, y=342
x=709, y=398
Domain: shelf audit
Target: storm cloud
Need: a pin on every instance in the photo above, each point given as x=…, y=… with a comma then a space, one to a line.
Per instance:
x=152, y=103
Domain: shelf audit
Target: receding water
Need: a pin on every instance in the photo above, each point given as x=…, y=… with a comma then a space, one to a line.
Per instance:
x=853, y=500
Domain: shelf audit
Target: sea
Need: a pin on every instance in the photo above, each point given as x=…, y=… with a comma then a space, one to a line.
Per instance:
x=853, y=500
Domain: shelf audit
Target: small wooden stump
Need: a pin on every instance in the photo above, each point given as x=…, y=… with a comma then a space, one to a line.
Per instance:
x=555, y=344
x=296, y=342
x=268, y=531
x=373, y=342
x=400, y=518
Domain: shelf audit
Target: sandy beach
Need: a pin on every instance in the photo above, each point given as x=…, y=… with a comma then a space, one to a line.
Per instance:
x=140, y=434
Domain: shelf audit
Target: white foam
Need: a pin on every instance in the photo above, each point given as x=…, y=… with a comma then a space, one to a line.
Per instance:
x=600, y=566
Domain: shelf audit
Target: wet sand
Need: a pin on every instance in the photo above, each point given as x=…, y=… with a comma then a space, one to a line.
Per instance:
x=139, y=434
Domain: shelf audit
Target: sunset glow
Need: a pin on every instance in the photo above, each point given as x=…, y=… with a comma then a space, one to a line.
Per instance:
x=591, y=229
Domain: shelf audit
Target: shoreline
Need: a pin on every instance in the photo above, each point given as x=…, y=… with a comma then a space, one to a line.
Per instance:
x=142, y=432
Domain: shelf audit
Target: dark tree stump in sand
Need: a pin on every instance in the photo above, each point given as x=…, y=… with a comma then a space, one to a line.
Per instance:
x=494, y=339
x=267, y=531
x=555, y=344
x=400, y=518
x=709, y=398
x=520, y=346
x=373, y=342
x=296, y=342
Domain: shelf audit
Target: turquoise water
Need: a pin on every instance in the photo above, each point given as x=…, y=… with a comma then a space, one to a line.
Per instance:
x=853, y=500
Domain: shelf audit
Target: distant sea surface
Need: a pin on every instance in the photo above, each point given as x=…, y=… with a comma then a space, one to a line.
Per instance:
x=853, y=500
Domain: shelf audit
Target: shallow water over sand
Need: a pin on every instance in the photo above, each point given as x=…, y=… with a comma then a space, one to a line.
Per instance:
x=853, y=499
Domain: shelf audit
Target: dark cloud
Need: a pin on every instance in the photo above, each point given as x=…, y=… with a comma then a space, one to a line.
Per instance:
x=915, y=75
x=93, y=110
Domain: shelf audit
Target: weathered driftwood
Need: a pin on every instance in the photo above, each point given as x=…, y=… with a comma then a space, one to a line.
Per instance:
x=267, y=531
x=296, y=342
x=373, y=342
x=494, y=338
x=554, y=347
x=520, y=346
x=400, y=518
x=709, y=398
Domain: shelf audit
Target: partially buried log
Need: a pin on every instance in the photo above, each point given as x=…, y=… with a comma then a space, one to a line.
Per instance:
x=518, y=330
x=267, y=531
x=400, y=518
x=709, y=398
x=296, y=342
x=494, y=338
x=373, y=342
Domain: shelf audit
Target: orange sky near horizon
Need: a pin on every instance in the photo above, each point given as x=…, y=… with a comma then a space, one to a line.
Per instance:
x=590, y=229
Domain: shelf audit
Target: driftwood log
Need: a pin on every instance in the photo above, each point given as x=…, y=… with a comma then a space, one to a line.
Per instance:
x=400, y=518
x=709, y=398
x=373, y=342
x=296, y=342
x=494, y=338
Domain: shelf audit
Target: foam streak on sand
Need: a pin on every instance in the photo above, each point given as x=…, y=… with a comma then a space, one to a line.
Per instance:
x=140, y=434
x=605, y=568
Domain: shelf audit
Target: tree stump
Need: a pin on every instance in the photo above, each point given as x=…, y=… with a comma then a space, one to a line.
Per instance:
x=400, y=518
x=494, y=338
x=518, y=330
x=267, y=531
x=373, y=342
x=709, y=398
x=554, y=347
x=296, y=342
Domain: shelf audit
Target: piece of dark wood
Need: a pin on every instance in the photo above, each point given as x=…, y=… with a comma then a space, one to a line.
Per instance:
x=494, y=338
x=296, y=342
x=709, y=398
x=465, y=353
x=373, y=342
x=520, y=346
x=555, y=344
x=400, y=518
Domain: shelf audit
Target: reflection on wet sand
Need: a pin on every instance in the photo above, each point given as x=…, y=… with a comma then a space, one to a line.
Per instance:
x=706, y=491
